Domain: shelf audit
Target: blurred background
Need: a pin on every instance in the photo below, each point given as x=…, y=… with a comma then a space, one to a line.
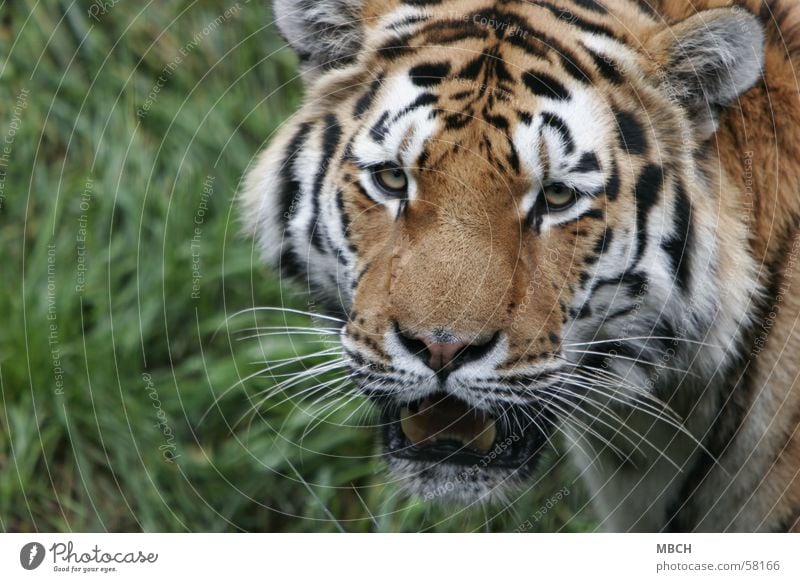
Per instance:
x=134, y=389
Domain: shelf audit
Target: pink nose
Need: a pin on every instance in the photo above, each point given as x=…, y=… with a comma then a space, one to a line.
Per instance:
x=444, y=353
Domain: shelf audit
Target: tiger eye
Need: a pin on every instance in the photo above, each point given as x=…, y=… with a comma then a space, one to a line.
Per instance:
x=391, y=179
x=559, y=196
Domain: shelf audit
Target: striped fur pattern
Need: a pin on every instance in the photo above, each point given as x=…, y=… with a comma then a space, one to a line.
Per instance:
x=650, y=322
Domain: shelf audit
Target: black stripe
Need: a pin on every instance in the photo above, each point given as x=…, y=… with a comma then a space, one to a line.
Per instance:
x=396, y=48
x=525, y=117
x=535, y=43
x=331, y=137
x=631, y=133
x=543, y=85
x=461, y=95
x=604, y=242
x=290, y=192
x=428, y=74
x=592, y=5
x=575, y=20
x=345, y=219
x=534, y=219
x=645, y=6
x=456, y=35
x=422, y=160
x=512, y=156
x=635, y=282
x=607, y=68
x=410, y=21
x=590, y=214
x=290, y=184
x=458, y=120
x=422, y=100
x=498, y=70
x=472, y=69
x=504, y=25
x=378, y=131
x=450, y=31
x=554, y=121
x=613, y=183
x=646, y=194
x=361, y=190
x=583, y=312
x=422, y=2
x=678, y=246
x=621, y=312
x=593, y=213
x=588, y=163
x=365, y=100
x=498, y=121
x=573, y=68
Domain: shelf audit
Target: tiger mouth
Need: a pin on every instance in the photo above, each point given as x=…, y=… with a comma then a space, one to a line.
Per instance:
x=442, y=429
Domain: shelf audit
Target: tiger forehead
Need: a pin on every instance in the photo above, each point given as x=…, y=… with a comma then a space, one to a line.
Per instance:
x=565, y=31
x=435, y=112
x=481, y=70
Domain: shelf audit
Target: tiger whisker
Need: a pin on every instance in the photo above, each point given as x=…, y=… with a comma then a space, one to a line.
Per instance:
x=613, y=380
x=634, y=360
x=218, y=398
x=656, y=412
x=581, y=425
x=309, y=328
x=299, y=396
x=256, y=407
x=311, y=372
x=596, y=418
x=286, y=310
x=268, y=371
x=643, y=337
x=679, y=427
x=335, y=350
x=635, y=403
x=539, y=428
x=569, y=418
x=281, y=333
x=321, y=419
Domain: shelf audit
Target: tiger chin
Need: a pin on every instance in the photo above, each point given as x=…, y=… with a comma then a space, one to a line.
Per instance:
x=556, y=224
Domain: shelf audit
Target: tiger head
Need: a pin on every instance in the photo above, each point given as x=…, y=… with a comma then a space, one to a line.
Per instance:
x=514, y=207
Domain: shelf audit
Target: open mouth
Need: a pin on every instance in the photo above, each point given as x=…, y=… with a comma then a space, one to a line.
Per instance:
x=441, y=429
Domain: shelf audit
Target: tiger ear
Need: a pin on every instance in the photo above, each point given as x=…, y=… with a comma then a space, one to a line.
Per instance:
x=708, y=60
x=323, y=33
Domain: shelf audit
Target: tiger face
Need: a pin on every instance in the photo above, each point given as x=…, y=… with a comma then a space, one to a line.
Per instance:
x=511, y=205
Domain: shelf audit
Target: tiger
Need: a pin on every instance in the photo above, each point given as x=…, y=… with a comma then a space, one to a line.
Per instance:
x=566, y=225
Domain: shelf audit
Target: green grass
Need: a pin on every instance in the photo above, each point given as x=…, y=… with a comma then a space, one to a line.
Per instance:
x=146, y=370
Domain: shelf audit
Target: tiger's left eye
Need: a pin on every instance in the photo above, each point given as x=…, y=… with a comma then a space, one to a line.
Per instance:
x=559, y=196
x=391, y=179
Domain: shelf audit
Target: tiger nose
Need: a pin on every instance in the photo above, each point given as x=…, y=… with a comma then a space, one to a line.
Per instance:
x=445, y=357
x=441, y=353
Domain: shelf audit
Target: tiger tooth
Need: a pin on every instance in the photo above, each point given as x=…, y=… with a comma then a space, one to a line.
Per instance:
x=484, y=441
x=411, y=428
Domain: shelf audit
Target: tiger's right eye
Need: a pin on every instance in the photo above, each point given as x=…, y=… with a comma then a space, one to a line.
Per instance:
x=391, y=180
x=559, y=196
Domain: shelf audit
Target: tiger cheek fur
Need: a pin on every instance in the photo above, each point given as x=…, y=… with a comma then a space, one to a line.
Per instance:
x=529, y=215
